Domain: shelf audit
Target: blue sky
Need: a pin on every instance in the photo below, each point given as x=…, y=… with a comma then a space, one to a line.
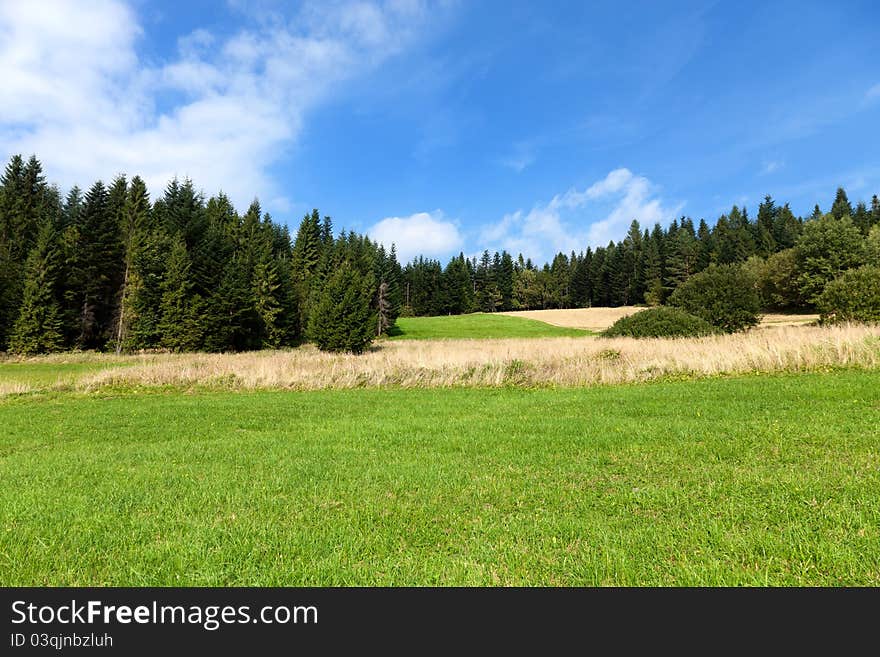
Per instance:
x=450, y=126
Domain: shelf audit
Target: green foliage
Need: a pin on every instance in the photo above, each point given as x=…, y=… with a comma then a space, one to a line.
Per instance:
x=38, y=326
x=854, y=296
x=341, y=317
x=723, y=295
x=873, y=246
x=777, y=280
x=828, y=247
x=250, y=286
x=664, y=322
x=179, y=328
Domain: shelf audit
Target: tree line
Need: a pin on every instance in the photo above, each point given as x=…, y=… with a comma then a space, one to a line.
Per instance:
x=791, y=257
x=109, y=269
x=112, y=269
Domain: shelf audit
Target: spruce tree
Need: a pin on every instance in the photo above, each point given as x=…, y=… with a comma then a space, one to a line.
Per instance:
x=178, y=327
x=306, y=257
x=98, y=263
x=267, y=304
x=505, y=281
x=133, y=223
x=38, y=327
x=342, y=318
x=841, y=207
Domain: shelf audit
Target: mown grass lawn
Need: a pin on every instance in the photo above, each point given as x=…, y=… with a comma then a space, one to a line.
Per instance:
x=757, y=480
x=478, y=325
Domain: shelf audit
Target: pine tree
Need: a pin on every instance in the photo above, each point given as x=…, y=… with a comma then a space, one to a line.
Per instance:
x=178, y=328
x=786, y=228
x=133, y=222
x=862, y=218
x=342, y=318
x=38, y=327
x=459, y=294
x=841, y=207
x=97, y=265
x=655, y=293
x=265, y=284
x=307, y=251
x=505, y=281
x=683, y=259
x=764, y=225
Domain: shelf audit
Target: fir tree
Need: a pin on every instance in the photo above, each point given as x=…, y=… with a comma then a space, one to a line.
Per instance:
x=178, y=328
x=38, y=327
x=133, y=222
x=342, y=318
x=96, y=270
x=841, y=207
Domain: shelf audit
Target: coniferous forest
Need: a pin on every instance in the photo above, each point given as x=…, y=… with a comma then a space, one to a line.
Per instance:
x=112, y=269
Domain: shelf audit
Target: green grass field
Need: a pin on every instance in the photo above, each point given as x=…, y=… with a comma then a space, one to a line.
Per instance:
x=478, y=325
x=757, y=480
x=43, y=373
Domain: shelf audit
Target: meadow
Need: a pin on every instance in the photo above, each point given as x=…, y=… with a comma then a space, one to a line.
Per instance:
x=761, y=480
x=478, y=326
x=748, y=459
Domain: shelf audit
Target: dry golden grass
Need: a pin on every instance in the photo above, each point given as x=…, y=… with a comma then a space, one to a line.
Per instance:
x=13, y=388
x=599, y=319
x=528, y=362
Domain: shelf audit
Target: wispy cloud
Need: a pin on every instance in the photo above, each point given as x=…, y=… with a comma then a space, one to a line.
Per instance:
x=221, y=110
x=771, y=166
x=425, y=233
x=580, y=218
x=521, y=157
x=873, y=92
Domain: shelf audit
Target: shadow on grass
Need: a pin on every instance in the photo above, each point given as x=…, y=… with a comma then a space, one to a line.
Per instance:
x=395, y=331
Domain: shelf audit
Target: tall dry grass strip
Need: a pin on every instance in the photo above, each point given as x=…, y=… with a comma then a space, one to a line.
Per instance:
x=527, y=362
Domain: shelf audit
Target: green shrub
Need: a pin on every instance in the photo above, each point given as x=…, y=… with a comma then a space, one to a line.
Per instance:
x=725, y=296
x=661, y=322
x=854, y=296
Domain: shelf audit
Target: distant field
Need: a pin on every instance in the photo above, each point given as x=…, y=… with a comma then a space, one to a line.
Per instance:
x=764, y=480
x=476, y=326
x=599, y=319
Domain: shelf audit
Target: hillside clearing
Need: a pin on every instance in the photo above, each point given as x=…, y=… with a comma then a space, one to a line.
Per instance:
x=477, y=326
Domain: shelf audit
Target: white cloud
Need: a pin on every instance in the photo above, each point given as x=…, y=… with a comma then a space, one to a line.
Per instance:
x=423, y=233
x=577, y=219
x=770, y=167
x=221, y=111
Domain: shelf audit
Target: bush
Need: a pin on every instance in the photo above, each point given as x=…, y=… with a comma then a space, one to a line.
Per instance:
x=661, y=322
x=854, y=296
x=342, y=319
x=725, y=296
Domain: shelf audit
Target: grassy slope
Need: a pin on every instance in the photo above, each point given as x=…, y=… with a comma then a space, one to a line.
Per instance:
x=759, y=480
x=478, y=325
